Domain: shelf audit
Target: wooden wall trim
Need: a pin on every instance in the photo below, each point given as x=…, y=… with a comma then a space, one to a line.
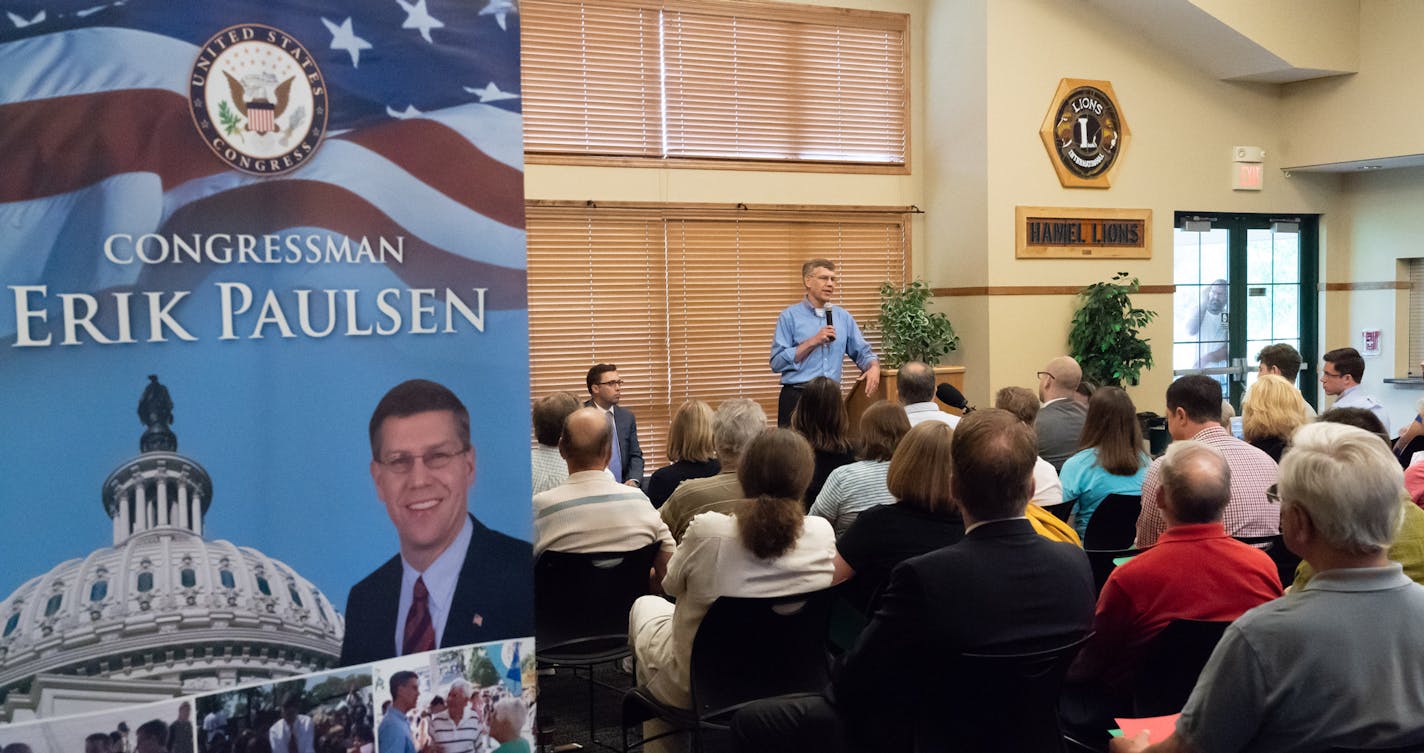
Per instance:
x=1386, y=285
x=1037, y=290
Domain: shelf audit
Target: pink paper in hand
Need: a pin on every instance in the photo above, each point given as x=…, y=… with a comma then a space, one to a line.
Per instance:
x=1159, y=728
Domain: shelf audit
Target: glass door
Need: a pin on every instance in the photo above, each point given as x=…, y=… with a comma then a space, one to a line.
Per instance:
x=1262, y=265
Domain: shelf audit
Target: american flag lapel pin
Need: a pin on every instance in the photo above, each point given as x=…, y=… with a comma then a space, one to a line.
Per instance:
x=479, y=620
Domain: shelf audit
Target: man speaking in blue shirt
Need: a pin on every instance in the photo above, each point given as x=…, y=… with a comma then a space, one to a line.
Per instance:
x=813, y=337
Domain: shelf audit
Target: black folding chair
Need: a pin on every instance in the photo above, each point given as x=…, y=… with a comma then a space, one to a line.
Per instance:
x=746, y=649
x=1017, y=691
x=1113, y=525
x=1104, y=561
x=1414, y=748
x=581, y=604
x=1173, y=661
x=1275, y=547
x=1062, y=510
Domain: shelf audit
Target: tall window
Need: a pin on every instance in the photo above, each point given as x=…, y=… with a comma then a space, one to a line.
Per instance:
x=700, y=80
x=684, y=301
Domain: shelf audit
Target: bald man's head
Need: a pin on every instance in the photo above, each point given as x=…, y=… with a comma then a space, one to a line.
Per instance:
x=587, y=441
x=1196, y=483
x=1059, y=378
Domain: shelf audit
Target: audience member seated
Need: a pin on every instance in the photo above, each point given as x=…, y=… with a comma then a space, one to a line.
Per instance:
x=735, y=424
x=821, y=418
x=766, y=547
x=851, y=489
x=689, y=447
x=1413, y=431
x=548, y=415
x=1002, y=589
x=1333, y=664
x=1194, y=572
x=1060, y=421
x=1408, y=546
x=1085, y=392
x=591, y=512
x=1270, y=412
x=922, y=519
x=1284, y=361
x=1340, y=377
x=1111, y=461
x=1193, y=410
x=915, y=381
x=1047, y=489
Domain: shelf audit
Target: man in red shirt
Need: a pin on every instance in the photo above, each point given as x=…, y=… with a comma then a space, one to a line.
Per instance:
x=1195, y=571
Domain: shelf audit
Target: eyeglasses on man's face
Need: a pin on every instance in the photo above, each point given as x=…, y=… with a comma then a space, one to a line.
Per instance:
x=610, y=383
x=403, y=463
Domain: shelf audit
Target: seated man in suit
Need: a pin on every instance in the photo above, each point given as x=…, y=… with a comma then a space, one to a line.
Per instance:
x=454, y=582
x=1059, y=423
x=591, y=512
x=605, y=389
x=1337, y=662
x=1001, y=589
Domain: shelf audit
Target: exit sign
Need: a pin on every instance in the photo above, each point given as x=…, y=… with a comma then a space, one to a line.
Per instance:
x=1247, y=176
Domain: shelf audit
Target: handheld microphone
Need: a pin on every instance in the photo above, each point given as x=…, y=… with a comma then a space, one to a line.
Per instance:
x=951, y=396
x=829, y=323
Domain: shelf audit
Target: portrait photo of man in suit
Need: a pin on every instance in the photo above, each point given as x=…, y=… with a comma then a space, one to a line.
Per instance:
x=454, y=582
x=605, y=389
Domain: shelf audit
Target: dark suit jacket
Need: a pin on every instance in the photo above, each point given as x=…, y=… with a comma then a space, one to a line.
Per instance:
x=628, y=449
x=496, y=583
x=1002, y=589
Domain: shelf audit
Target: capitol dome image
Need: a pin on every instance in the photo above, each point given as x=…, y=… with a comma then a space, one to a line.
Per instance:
x=163, y=612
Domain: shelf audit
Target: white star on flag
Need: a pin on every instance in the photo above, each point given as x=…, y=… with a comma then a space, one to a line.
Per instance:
x=499, y=9
x=21, y=22
x=490, y=93
x=417, y=17
x=343, y=37
x=406, y=114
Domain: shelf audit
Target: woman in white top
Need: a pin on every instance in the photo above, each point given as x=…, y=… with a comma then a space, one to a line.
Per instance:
x=767, y=547
x=851, y=489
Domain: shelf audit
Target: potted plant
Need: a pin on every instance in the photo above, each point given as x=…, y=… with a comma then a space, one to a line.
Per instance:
x=908, y=331
x=1104, y=333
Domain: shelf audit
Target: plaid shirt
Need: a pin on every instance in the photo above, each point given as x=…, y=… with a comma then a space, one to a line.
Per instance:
x=1248, y=513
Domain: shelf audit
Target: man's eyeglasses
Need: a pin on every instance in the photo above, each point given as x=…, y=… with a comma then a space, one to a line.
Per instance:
x=1044, y=374
x=612, y=382
x=434, y=460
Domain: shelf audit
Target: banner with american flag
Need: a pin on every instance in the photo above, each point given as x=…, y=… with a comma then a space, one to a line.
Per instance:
x=280, y=210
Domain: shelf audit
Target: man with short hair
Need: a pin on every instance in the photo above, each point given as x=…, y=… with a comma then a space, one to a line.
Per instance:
x=1284, y=361
x=454, y=582
x=1208, y=322
x=1194, y=572
x=1194, y=412
x=605, y=389
x=394, y=735
x=591, y=512
x=1341, y=375
x=549, y=469
x=507, y=719
x=294, y=732
x=1060, y=421
x=1002, y=588
x=96, y=743
x=813, y=338
x=735, y=424
x=454, y=729
x=916, y=384
x=152, y=737
x=1336, y=664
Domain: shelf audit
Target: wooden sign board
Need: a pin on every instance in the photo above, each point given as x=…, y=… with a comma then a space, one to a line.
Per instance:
x=1074, y=233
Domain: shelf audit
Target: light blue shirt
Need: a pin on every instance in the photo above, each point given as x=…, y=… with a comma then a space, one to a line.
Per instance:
x=440, y=580
x=1355, y=397
x=393, y=736
x=1089, y=483
x=798, y=323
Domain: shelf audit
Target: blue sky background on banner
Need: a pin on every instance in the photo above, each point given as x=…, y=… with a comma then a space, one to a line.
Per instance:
x=279, y=424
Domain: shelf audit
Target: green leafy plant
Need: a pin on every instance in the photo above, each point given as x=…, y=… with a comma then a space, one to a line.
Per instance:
x=908, y=330
x=229, y=119
x=1104, y=334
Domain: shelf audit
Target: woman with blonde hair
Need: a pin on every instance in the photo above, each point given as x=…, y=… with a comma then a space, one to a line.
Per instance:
x=923, y=518
x=767, y=547
x=690, y=448
x=1270, y=413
